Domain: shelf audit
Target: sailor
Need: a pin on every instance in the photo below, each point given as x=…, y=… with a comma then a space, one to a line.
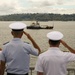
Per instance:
x=16, y=53
x=54, y=61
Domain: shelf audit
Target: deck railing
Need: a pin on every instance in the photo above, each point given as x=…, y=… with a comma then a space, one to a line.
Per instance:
x=71, y=71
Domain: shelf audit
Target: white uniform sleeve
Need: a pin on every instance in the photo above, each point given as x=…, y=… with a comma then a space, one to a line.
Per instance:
x=38, y=66
x=70, y=57
x=32, y=50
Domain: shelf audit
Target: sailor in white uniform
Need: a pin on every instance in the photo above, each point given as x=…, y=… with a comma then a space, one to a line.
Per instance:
x=16, y=53
x=54, y=61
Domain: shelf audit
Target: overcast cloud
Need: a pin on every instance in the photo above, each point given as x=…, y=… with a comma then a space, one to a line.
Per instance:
x=37, y=6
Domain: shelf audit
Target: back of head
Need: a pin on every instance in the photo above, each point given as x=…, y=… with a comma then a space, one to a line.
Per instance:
x=54, y=43
x=54, y=37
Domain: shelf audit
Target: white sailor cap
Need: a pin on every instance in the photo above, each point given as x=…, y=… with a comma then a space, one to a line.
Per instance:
x=17, y=26
x=55, y=35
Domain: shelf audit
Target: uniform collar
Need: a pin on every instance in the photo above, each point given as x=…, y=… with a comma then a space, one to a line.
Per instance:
x=16, y=39
x=54, y=48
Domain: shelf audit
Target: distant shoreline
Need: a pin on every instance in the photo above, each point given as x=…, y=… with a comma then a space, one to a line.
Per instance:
x=38, y=17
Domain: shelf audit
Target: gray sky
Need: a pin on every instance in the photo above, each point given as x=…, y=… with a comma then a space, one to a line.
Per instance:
x=37, y=6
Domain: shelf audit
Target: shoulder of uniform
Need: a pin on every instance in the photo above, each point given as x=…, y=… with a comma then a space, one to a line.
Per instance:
x=5, y=43
x=8, y=42
x=26, y=42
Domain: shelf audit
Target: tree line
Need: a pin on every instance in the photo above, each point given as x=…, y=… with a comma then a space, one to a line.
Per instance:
x=38, y=16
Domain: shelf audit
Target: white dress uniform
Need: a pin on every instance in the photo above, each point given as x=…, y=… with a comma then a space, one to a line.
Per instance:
x=54, y=61
x=16, y=54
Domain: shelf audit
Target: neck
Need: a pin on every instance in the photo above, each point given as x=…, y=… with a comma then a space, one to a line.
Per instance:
x=54, y=46
x=17, y=37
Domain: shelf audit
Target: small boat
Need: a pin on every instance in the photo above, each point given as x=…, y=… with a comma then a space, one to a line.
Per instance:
x=37, y=26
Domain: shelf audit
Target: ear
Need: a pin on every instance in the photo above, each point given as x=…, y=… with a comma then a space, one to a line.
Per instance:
x=59, y=42
x=12, y=32
x=49, y=41
x=22, y=33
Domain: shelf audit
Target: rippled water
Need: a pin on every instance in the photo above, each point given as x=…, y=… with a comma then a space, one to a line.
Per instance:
x=66, y=27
